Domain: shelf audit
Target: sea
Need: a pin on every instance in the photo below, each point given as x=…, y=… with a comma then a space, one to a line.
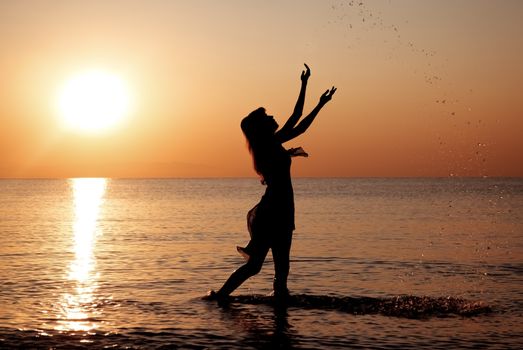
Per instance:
x=376, y=263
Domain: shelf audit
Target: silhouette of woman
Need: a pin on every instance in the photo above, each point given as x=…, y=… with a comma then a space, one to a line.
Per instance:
x=271, y=221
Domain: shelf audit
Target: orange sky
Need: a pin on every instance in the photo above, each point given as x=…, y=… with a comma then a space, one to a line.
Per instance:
x=425, y=88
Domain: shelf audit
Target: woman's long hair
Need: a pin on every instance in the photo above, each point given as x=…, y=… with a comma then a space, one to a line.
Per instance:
x=259, y=139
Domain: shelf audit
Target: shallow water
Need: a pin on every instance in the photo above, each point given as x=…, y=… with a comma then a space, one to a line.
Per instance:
x=93, y=263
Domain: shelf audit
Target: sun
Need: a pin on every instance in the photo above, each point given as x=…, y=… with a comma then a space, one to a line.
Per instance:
x=93, y=101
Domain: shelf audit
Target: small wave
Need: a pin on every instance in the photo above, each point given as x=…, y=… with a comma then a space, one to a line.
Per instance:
x=408, y=306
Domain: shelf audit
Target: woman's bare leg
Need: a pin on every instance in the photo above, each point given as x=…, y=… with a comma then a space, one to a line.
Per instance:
x=249, y=269
x=281, y=256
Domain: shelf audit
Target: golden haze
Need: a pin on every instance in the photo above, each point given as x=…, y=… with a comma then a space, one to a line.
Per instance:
x=418, y=94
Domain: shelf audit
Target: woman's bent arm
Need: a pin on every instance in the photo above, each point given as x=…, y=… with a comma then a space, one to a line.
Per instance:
x=307, y=121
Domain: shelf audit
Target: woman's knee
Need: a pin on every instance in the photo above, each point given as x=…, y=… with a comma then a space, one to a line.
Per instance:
x=253, y=267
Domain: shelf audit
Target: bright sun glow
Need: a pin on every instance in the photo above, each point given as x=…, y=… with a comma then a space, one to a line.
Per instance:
x=94, y=101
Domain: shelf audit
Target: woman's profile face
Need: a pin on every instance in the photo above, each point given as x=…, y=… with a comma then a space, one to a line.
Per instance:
x=269, y=123
x=259, y=125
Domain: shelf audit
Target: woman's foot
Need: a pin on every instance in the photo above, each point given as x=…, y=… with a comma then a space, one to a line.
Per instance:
x=211, y=295
x=221, y=299
x=243, y=253
x=280, y=296
x=281, y=300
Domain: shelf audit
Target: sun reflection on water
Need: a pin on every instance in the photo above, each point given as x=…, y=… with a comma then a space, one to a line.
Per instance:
x=78, y=306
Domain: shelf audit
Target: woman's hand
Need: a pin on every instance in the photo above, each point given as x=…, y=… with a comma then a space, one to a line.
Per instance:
x=306, y=73
x=297, y=152
x=327, y=95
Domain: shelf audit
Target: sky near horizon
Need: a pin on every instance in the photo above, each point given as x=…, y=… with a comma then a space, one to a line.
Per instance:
x=425, y=88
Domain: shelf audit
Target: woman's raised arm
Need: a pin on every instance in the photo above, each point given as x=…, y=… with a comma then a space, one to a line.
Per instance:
x=298, y=108
x=307, y=121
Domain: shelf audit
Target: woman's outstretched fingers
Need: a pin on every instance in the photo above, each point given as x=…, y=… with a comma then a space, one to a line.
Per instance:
x=327, y=95
x=306, y=73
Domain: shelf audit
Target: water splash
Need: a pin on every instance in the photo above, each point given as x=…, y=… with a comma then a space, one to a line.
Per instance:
x=408, y=306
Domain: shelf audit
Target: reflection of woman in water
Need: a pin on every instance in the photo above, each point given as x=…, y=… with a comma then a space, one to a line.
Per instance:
x=271, y=221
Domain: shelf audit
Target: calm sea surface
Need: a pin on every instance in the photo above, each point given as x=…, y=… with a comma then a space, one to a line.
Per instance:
x=94, y=263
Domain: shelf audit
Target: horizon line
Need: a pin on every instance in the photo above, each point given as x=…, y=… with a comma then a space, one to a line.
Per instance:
x=254, y=177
